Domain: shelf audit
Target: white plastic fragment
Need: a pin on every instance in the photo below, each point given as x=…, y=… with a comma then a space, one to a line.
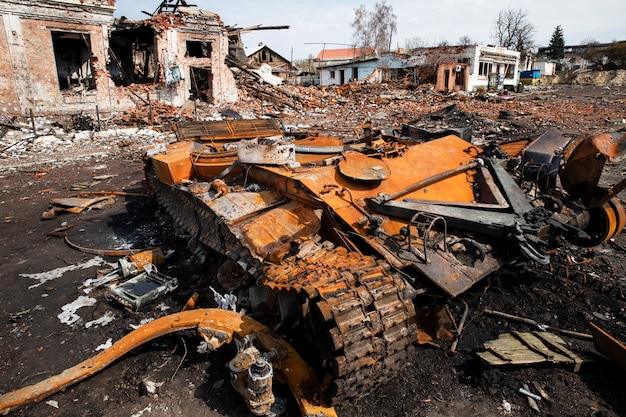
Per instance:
x=102, y=321
x=44, y=277
x=105, y=345
x=530, y=394
x=52, y=403
x=141, y=323
x=68, y=315
x=151, y=386
x=140, y=412
x=506, y=406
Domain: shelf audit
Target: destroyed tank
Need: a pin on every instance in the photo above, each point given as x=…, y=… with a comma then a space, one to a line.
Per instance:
x=352, y=251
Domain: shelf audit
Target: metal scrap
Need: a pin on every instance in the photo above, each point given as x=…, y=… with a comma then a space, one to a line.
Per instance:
x=75, y=205
x=541, y=327
x=228, y=324
x=609, y=346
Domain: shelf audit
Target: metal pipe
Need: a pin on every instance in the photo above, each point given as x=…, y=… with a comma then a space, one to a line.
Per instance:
x=431, y=180
x=532, y=322
x=32, y=120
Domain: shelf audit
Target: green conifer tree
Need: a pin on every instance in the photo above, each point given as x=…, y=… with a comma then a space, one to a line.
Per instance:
x=557, y=44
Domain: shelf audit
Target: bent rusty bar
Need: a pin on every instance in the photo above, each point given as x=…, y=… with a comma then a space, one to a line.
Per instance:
x=431, y=180
x=292, y=367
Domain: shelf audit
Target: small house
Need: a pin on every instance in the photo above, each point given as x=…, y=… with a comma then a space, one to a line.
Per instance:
x=281, y=67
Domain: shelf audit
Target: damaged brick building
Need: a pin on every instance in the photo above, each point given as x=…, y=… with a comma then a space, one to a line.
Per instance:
x=61, y=56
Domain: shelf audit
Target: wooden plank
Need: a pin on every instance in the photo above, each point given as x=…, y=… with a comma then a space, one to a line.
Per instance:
x=518, y=348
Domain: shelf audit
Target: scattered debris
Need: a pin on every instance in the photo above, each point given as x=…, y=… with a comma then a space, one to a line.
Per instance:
x=530, y=397
x=218, y=327
x=44, y=277
x=541, y=327
x=77, y=205
x=107, y=318
x=69, y=316
x=101, y=252
x=226, y=302
x=459, y=328
x=506, y=406
x=142, y=289
x=53, y=403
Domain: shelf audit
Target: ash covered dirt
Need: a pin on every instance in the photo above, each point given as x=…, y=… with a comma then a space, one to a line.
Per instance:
x=34, y=344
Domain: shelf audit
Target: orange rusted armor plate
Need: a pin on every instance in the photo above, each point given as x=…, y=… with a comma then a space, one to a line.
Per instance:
x=273, y=231
x=174, y=165
x=360, y=167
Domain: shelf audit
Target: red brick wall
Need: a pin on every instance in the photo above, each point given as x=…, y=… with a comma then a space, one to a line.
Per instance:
x=28, y=72
x=9, y=103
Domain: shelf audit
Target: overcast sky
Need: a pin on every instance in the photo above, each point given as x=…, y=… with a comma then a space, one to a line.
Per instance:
x=319, y=24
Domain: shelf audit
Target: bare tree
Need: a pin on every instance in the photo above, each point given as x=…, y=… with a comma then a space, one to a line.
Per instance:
x=513, y=30
x=411, y=44
x=362, y=35
x=465, y=40
x=374, y=27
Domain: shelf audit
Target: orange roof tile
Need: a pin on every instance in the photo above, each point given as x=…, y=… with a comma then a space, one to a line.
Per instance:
x=343, y=53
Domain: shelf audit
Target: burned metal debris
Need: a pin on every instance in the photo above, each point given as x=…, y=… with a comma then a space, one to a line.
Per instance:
x=218, y=327
x=365, y=262
x=609, y=346
x=358, y=245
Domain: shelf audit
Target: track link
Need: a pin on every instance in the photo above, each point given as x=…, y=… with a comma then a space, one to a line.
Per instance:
x=362, y=314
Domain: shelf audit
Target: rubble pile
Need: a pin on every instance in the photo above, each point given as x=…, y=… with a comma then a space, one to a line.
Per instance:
x=336, y=111
x=578, y=286
x=51, y=144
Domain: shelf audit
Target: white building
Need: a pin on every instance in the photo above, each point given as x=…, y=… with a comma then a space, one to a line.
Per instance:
x=468, y=67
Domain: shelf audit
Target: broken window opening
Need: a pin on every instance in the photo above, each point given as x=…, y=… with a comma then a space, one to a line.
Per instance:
x=484, y=68
x=73, y=56
x=201, y=84
x=459, y=79
x=199, y=49
x=266, y=56
x=133, y=59
x=394, y=74
x=510, y=72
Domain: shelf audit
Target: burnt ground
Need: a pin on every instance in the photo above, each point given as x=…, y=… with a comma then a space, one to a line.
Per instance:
x=34, y=344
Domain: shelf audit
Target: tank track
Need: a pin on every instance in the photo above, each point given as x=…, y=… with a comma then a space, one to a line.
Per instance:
x=192, y=216
x=361, y=312
x=596, y=274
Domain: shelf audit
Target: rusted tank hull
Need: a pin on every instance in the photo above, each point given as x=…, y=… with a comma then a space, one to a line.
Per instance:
x=357, y=248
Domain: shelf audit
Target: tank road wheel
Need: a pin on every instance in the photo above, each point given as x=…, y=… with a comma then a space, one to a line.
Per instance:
x=605, y=222
x=361, y=313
